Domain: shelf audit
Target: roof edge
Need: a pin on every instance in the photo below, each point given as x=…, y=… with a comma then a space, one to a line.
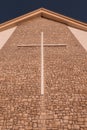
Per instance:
x=16, y=21
x=46, y=14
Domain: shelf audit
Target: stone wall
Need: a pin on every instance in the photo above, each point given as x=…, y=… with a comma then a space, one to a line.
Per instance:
x=64, y=104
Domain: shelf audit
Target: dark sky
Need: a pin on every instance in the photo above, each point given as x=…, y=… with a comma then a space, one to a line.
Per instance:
x=76, y=9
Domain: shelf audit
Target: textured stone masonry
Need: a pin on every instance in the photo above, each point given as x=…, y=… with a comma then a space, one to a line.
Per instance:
x=64, y=104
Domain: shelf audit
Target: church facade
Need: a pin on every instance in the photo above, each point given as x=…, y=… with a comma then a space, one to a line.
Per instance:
x=63, y=105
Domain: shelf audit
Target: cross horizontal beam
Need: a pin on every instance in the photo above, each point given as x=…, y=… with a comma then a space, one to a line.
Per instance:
x=45, y=45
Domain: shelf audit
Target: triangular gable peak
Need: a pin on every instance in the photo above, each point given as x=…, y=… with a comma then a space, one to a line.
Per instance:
x=46, y=14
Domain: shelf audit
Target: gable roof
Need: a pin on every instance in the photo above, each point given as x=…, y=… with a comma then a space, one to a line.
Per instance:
x=46, y=14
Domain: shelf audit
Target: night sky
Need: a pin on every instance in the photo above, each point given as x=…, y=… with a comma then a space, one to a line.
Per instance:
x=76, y=9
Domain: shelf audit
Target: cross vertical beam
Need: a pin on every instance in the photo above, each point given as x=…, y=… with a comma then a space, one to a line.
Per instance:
x=42, y=65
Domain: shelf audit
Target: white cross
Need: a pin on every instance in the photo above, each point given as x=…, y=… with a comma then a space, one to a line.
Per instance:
x=42, y=56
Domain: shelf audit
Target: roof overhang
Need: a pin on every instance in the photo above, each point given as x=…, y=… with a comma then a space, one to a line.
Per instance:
x=46, y=14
